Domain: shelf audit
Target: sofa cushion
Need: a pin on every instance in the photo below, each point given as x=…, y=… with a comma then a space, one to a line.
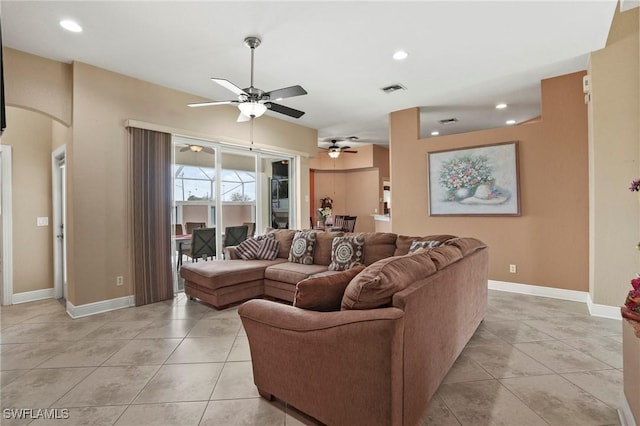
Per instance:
x=285, y=238
x=403, y=242
x=215, y=274
x=302, y=247
x=377, y=245
x=427, y=244
x=324, y=293
x=322, y=251
x=346, y=252
x=292, y=273
x=268, y=249
x=248, y=249
x=467, y=245
x=375, y=286
x=444, y=255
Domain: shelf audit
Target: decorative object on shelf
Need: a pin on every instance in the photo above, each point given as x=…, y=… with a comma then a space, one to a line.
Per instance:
x=480, y=180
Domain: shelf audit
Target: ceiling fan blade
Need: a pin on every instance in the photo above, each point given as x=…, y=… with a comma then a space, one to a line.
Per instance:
x=213, y=103
x=186, y=148
x=350, y=152
x=229, y=86
x=242, y=118
x=208, y=150
x=345, y=147
x=284, y=110
x=286, y=92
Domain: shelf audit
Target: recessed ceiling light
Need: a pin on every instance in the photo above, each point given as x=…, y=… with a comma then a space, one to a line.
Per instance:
x=400, y=55
x=70, y=25
x=501, y=106
x=435, y=133
x=511, y=122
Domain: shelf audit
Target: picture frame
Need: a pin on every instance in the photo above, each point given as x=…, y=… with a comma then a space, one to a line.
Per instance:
x=475, y=181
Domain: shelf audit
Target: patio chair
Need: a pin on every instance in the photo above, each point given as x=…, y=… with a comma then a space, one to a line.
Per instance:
x=234, y=235
x=190, y=226
x=203, y=244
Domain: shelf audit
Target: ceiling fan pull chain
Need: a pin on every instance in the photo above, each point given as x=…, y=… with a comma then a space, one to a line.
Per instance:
x=251, y=133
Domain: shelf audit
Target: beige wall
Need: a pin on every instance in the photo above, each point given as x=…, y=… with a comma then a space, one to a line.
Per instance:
x=353, y=192
x=39, y=84
x=614, y=142
x=549, y=241
x=97, y=154
x=30, y=135
x=368, y=157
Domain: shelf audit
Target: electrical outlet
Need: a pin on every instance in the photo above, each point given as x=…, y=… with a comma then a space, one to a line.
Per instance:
x=119, y=280
x=512, y=268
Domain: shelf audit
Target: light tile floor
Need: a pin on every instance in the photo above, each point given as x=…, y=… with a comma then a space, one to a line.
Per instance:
x=533, y=361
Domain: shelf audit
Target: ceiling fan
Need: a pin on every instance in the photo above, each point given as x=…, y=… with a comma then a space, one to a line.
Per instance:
x=197, y=148
x=253, y=102
x=335, y=150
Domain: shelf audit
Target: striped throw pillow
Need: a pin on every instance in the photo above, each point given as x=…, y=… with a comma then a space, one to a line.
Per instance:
x=268, y=250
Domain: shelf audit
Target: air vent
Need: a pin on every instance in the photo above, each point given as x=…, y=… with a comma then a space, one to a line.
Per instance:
x=394, y=87
x=448, y=121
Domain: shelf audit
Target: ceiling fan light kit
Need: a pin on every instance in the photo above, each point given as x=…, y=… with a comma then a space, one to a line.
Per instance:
x=252, y=109
x=334, y=152
x=254, y=102
x=195, y=148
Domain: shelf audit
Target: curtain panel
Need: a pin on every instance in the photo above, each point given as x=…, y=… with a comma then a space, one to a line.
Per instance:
x=150, y=213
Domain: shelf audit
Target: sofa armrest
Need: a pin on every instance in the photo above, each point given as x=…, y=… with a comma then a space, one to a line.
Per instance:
x=339, y=367
x=231, y=253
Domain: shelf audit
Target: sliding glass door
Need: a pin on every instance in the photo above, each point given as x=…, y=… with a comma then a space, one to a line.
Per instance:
x=220, y=186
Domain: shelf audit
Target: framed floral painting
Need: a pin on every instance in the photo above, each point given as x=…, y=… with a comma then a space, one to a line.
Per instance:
x=482, y=180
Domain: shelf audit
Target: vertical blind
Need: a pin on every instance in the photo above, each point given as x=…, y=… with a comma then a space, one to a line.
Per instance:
x=150, y=215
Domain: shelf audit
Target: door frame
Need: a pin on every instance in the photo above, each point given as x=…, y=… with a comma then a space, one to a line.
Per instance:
x=7, y=225
x=57, y=218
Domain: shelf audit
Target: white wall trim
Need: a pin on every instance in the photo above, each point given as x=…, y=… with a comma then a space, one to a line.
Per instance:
x=624, y=412
x=32, y=296
x=7, y=227
x=605, y=311
x=56, y=155
x=595, y=310
x=99, y=307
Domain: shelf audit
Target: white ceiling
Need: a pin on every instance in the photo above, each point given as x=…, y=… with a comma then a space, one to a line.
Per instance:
x=464, y=56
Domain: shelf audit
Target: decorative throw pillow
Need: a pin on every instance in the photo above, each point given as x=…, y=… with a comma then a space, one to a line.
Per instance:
x=248, y=249
x=324, y=293
x=375, y=286
x=417, y=245
x=302, y=248
x=346, y=252
x=268, y=249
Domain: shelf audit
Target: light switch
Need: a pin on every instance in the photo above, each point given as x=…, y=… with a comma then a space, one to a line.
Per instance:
x=42, y=221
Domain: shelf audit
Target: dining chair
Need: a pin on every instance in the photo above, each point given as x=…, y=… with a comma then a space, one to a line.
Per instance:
x=338, y=221
x=203, y=244
x=349, y=223
x=177, y=229
x=193, y=225
x=251, y=229
x=234, y=235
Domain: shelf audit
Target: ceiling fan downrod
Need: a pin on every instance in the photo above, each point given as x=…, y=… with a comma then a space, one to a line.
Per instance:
x=252, y=42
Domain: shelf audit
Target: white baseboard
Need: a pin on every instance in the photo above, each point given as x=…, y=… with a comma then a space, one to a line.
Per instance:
x=99, y=307
x=624, y=412
x=595, y=310
x=32, y=296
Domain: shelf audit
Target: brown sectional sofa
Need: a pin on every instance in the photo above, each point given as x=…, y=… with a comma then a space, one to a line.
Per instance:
x=359, y=365
x=377, y=366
